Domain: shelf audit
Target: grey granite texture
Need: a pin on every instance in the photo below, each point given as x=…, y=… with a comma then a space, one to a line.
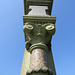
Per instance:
x=38, y=58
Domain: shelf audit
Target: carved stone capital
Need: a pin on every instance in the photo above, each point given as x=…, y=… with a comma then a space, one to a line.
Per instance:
x=36, y=33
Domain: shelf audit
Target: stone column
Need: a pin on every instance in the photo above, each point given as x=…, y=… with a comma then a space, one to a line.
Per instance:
x=39, y=27
x=38, y=36
x=38, y=58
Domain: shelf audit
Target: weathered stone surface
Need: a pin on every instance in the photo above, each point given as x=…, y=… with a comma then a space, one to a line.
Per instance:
x=48, y=3
x=39, y=19
x=38, y=46
x=38, y=33
x=26, y=62
x=50, y=61
x=39, y=26
x=38, y=58
x=39, y=71
x=38, y=11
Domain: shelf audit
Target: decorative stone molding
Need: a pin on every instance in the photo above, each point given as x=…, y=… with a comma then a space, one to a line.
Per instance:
x=39, y=71
x=39, y=19
x=48, y=3
x=38, y=45
x=38, y=33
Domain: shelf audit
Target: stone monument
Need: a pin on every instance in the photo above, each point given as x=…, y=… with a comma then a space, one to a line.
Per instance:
x=39, y=27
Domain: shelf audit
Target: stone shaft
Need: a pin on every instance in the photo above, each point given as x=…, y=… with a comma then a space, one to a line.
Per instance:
x=38, y=27
x=38, y=58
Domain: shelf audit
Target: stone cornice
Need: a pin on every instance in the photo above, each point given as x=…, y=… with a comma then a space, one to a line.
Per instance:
x=45, y=19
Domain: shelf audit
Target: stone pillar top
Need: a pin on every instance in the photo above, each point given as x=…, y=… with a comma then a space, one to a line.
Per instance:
x=47, y=3
x=38, y=11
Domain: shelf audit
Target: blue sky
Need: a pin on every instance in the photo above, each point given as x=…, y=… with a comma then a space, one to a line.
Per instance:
x=12, y=42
